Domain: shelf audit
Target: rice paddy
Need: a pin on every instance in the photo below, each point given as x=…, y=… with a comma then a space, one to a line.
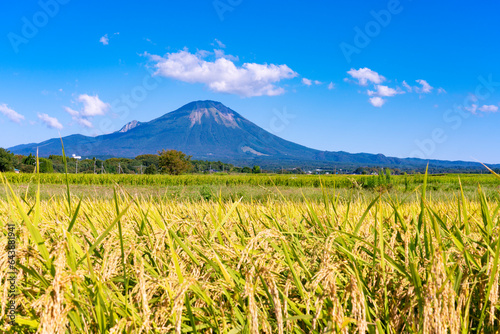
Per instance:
x=394, y=262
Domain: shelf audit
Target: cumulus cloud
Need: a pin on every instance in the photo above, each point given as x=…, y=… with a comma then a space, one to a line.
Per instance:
x=104, y=40
x=307, y=82
x=92, y=105
x=331, y=86
x=75, y=115
x=385, y=91
x=50, y=122
x=425, y=89
x=11, y=114
x=488, y=108
x=72, y=112
x=222, y=75
x=377, y=101
x=365, y=75
x=220, y=54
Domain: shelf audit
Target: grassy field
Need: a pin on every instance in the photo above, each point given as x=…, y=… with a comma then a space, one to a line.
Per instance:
x=252, y=187
x=338, y=181
x=405, y=256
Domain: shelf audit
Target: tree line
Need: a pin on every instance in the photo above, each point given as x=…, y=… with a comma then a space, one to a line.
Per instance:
x=165, y=162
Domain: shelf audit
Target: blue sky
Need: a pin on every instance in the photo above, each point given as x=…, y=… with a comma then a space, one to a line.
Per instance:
x=402, y=78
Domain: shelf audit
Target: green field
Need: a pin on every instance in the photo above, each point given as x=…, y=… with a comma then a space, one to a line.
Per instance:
x=253, y=254
x=338, y=181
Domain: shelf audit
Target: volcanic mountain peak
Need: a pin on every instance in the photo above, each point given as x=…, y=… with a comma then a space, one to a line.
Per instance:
x=220, y=117
x=202, y=111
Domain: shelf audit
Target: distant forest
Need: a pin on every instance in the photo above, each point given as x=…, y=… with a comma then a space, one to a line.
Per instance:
x=150, y=164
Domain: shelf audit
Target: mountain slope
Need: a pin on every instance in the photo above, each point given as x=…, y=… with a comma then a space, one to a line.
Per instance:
x=209, y=130
x=204, y=129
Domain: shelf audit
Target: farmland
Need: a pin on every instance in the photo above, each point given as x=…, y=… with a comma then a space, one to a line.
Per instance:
x=339, y=254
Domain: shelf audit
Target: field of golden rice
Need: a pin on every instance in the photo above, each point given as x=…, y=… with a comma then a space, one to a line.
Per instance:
x=136, y=264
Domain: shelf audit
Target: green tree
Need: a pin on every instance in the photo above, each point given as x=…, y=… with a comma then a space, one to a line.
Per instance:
x=388, y=175
x=46, y=165
x=30, y=160
x=174, y=162
x=151, y=169
x=246, y=170
x=27, y=168
x=256, y=170
x=148, y=159
x=6, y=160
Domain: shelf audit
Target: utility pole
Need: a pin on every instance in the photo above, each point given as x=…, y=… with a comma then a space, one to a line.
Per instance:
x=141, y=167
x=76, y=158
x=94, y=164
x=119, y=167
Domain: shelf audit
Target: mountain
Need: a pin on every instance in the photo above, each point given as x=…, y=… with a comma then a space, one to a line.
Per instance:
x=209, y=130
x=129, y=126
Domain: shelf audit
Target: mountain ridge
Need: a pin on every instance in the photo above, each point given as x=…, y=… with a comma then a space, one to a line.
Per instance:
x=209, y=130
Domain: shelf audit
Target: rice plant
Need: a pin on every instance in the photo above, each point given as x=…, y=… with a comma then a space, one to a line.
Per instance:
x=149, y=265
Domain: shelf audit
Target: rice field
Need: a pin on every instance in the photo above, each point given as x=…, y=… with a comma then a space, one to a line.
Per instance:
x=391, y=263
x=299, y=180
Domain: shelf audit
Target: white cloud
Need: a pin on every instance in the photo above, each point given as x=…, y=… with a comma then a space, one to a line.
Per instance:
x=11, y=114
x=104, y=39
x=220, y=44
x=222, y=75
x=365, y=75
x=331, y=86
x=92, y=105
x=425, y=89
x=472, y=108
x=204, y=53
x=488, y=108
x=71, y=111
x=408, y=87
x=50, y=122
x=221, y=54
x=441, y=90
x=384, y=91
x=377, y=101
x=307, y=82
x=83, y=122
